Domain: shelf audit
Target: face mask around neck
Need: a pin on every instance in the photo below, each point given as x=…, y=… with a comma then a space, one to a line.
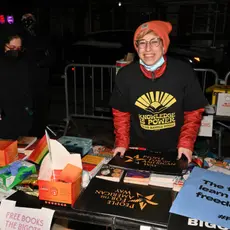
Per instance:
x=152, y=68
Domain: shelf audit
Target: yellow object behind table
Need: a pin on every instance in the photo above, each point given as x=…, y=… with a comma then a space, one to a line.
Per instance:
x=215, y=89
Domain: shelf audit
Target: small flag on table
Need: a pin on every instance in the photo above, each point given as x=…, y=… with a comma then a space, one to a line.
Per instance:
x=40, y=151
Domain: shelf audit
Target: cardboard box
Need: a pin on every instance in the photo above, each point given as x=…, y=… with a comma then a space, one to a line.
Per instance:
x=216, y=89
x=223, y=104
x=59, y=193
x=8, y=181
x=60, y=176
x=76, y=144
x=8, y=152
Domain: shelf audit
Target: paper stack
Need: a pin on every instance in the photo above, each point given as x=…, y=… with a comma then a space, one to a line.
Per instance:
x=161, y=180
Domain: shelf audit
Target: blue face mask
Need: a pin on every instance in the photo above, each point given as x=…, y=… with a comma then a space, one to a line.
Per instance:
x=152, y=68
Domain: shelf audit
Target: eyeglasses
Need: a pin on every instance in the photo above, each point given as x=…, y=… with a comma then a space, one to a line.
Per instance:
x=142, y=44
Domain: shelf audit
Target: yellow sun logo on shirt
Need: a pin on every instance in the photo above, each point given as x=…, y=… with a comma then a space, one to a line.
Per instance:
x=155, y=102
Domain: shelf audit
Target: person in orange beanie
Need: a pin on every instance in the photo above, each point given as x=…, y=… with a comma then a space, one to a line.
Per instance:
x=157, y=102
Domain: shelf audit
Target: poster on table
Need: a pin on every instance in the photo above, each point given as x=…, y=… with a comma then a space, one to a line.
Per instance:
x=205, y=196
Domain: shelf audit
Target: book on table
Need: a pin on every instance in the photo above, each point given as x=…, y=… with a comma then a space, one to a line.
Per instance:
x=155, y=162
x=110, y=173
x=103, y=151
x=149, y=205
x=137, y=177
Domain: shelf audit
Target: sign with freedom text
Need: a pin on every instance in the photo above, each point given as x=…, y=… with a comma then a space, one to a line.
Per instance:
x=205, y=196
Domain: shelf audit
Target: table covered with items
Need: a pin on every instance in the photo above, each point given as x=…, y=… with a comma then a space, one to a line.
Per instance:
x=83, y=182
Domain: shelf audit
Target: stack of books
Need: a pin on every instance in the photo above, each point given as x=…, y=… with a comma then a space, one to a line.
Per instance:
x=92, y=164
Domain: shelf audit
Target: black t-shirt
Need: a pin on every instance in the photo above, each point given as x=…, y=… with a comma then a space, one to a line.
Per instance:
x=157, y=106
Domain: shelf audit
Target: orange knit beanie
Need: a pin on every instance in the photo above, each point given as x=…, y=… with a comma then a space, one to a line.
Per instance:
x=161, y=28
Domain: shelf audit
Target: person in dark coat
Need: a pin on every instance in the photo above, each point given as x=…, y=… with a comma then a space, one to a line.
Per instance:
x=41, y=57
x=16, y=104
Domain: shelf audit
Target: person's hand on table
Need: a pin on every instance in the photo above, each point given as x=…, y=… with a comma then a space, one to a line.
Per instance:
x=120, y=150
x=186, y=152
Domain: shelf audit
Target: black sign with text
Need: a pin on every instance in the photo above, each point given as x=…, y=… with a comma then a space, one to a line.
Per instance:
x=140, y=203
x=156, y=162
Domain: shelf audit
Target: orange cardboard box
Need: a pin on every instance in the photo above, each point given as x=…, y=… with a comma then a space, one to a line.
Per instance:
x=8, y=152
x=60, y=176
x=59, y=192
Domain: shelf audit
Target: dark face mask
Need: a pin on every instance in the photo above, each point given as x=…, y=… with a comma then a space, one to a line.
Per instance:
x=13, y=53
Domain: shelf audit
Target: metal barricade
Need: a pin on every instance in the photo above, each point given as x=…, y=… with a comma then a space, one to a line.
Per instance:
x=207, y=78
x=87, y=91
x=226, y=80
